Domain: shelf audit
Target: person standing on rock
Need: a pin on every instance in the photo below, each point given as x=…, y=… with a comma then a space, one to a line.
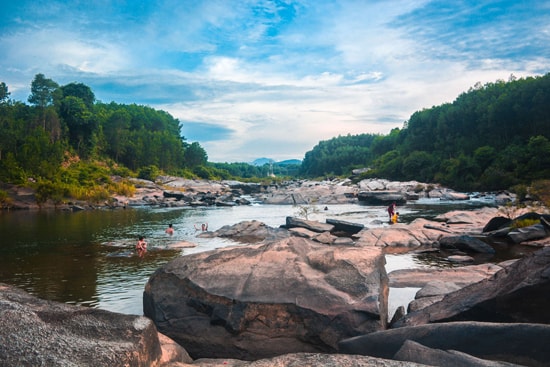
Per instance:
x=391, y=210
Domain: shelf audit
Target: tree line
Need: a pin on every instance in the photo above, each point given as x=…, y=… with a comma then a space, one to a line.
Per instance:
x=494, y=136
x=63, y=123
x=65, y=138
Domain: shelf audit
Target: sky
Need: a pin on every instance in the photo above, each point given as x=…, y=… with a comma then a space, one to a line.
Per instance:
x=249, y=79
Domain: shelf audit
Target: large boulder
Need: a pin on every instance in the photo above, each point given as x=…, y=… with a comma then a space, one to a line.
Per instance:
x=37, y=332
x=523, y=344
x=258, y=301
x=345, y=226
x=310, y=193
x=534, y=232
x=517, y=293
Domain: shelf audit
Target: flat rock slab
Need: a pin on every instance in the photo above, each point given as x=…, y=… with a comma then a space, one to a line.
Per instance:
x=306, y=360
x=461, y=276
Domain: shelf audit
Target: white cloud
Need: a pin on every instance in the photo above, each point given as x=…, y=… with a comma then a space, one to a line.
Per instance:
x=278, y=79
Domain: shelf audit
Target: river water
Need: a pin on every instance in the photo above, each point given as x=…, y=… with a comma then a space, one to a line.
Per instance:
x=87, y=258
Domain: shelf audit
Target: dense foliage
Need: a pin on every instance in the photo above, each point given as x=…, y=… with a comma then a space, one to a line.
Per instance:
x=67, y=144
x=64, y=132
x=495, y=136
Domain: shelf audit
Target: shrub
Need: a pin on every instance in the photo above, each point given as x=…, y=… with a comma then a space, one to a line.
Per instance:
x=522, y=223
x=123, y=188
x=46, y=190
x=5, y=200
x=541, y=191
x=149, y=173
x=418, y=188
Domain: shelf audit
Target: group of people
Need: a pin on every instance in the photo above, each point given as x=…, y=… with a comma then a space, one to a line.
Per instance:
x=393, y=213
x=141, y=245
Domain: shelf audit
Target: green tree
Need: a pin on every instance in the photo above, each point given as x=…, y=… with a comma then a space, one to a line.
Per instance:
x=419, y=165
x=117, y=133
x=195, y=155
x=42, y=94
x=4, y=93
x=81, y=91
x=81, y=124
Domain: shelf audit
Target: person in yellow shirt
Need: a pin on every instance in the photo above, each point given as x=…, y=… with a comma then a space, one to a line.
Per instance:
x=394, y=217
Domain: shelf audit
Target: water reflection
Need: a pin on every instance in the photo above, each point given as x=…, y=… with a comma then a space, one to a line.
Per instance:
x=88, y=258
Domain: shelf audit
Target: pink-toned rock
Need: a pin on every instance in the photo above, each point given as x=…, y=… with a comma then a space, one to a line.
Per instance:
x=181, y=244
x=411, y=235
x=461, y=276
x=258, y=301
x=306, y=360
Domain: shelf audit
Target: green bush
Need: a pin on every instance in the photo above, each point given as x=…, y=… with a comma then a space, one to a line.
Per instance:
x=522, y=223
x=149, y=173
x=47, y=190
x=5, y=199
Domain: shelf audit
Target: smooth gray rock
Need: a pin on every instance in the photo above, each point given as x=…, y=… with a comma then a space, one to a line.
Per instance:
x=465, y=243
x=315, y=226
x=37, y=332
x=248, y=232
x=534, y=232
x=517, y=293
x=344, y=226
x=415, y=352
x=520, y=343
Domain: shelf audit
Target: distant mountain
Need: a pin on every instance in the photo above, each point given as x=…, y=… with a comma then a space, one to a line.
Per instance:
x=289, y=161
x=262, y=161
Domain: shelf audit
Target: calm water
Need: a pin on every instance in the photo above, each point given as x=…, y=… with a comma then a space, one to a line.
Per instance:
x=87, y=257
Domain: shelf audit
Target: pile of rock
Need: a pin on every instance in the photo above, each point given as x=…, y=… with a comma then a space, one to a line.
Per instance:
x=169, y=191
x=299, y=295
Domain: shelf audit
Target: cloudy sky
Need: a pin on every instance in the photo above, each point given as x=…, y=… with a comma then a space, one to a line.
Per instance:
x=272, y=78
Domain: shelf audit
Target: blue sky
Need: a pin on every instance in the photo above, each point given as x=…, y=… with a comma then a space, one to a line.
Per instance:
x=250, y=79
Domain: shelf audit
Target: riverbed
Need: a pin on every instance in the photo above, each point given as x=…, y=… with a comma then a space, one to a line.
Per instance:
x=87, y=257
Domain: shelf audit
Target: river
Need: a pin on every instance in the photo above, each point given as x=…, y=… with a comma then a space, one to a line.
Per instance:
x=87, y=258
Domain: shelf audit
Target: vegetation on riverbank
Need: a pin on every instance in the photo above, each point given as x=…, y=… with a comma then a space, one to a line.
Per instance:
x=66, y=145
x=493, y=137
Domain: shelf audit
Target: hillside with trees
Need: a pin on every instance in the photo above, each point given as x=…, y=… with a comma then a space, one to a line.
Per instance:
x=494, y=136
x=66, y=144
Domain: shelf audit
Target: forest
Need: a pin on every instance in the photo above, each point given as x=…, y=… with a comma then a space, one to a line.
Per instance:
x=64, y=143
x=492, y=137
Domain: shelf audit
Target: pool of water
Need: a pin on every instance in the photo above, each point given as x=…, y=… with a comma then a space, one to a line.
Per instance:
x=87, y=257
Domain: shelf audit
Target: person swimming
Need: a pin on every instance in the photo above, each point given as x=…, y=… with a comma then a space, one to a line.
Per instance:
x=141, y=246
x=170, y=230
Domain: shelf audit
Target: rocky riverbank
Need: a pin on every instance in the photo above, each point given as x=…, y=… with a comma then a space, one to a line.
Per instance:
x=169, y=191
x=310, y=293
